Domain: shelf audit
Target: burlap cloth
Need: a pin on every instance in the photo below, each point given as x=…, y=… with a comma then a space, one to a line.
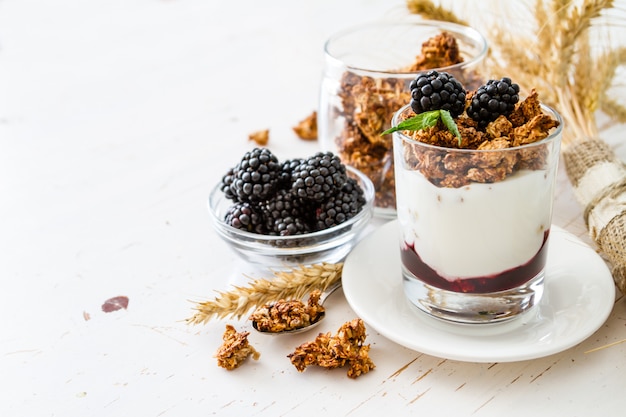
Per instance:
x=599, y=181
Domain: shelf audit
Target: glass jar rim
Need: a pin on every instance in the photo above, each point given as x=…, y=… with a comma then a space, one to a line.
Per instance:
x=467, y=31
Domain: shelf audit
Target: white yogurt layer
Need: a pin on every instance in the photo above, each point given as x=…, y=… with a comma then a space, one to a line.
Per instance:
x=476, y=230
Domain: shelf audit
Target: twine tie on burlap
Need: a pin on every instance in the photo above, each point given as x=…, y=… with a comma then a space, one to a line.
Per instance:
x=599, y=181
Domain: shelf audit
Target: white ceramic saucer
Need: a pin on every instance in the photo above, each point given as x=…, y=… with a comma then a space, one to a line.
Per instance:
x=579, y=296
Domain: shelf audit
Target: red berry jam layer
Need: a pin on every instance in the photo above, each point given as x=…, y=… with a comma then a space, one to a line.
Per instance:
x=502, y=281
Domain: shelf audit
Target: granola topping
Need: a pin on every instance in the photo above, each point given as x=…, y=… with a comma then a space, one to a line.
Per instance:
x=526, y=124
x=437, y=52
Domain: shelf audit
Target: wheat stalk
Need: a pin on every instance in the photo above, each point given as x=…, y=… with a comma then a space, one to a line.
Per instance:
x=605, y=346
x=570, y=31
x=612, y=107
x=291, y=284
x=431, y=11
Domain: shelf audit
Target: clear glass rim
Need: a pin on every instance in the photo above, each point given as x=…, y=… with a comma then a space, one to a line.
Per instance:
x=466, y=31
x=556, y=133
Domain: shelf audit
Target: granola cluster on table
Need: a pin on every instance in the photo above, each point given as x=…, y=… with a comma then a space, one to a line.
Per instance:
x=235, y=349
x=306, y=129
x=285, y=315
x=346, y=347
x=367, y=106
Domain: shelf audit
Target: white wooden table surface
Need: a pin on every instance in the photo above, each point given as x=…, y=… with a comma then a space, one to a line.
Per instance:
x=116, y=118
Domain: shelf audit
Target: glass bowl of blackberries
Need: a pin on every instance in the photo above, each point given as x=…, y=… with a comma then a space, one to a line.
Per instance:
x=300, y=211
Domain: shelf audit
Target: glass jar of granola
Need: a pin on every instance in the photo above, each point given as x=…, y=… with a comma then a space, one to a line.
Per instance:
x=367, y=73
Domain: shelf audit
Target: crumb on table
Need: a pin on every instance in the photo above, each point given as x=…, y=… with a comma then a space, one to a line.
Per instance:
x=307, y=129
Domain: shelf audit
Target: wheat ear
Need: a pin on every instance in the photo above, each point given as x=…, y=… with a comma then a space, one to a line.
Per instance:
x=290, y=284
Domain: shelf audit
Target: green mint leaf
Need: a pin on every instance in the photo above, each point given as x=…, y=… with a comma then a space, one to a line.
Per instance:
x=447, y=120
x=428, y=119
x=418, y=122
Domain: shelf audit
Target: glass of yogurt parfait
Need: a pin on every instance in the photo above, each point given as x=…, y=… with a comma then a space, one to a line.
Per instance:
x=474, y=194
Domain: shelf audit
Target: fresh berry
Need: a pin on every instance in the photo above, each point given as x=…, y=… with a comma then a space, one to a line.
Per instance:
x=318, y=177
x=287, y=168
x=437, y=91
x=255, y=177
x=294, y=197
x=347, y=203
x=227, y=181
x=496, y=98
x=290, y=226
x=285, y=214
x=245, y=216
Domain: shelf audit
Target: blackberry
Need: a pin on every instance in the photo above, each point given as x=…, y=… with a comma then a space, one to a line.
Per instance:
x=245, y=216
x=437, y=91
x=497, y=97
x=343, y=206
x=285, y=214
x=255, y=177
x=287, y=168
x=290, y=226
x=318, y=177
x=227, y=180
